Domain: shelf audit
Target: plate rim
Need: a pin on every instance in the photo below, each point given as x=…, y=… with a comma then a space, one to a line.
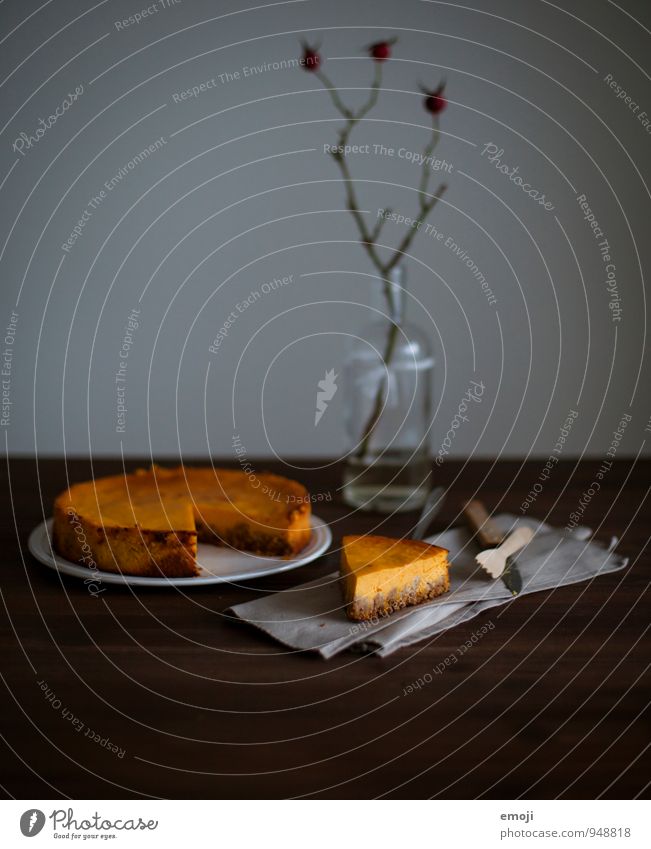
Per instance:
x=63, y=566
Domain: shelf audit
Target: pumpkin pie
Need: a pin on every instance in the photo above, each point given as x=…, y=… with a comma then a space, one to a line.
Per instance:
x=380, y=575
x=149, y=522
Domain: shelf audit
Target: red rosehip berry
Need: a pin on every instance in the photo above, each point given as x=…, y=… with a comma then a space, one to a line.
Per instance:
x=435, y=101
x=380, y=51
x=311, y=59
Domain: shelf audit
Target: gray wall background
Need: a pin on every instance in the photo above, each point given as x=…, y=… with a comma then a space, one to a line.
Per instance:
x=240, y=192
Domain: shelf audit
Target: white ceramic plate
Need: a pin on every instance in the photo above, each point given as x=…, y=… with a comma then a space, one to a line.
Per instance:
x=216, y=565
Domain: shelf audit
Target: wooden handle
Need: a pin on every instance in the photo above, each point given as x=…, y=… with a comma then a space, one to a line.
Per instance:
x=481, y=523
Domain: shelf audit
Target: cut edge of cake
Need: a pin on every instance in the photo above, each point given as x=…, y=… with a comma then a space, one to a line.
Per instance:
x=167, y=550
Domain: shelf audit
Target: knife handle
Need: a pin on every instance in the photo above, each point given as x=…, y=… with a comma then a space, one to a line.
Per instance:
x=481, y=524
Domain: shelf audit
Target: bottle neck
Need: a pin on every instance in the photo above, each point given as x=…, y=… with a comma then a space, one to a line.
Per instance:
x=388, y=296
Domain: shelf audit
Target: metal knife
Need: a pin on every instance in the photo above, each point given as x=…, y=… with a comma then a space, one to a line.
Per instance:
x=498, y=558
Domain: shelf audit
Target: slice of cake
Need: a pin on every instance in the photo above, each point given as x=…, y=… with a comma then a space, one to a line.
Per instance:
x=380, y=575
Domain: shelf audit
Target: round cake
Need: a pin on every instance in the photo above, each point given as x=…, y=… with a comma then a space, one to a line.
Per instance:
x=149, y=522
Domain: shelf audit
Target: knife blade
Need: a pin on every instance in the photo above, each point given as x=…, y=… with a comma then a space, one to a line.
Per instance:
x=511, y=576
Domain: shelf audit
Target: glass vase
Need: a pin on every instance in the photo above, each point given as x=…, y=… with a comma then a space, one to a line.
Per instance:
x=387, y=380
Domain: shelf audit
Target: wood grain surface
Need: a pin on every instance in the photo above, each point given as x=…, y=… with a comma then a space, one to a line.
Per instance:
x=157, y=693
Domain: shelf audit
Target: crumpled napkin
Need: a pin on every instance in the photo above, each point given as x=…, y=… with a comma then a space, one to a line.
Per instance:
x=311, y=617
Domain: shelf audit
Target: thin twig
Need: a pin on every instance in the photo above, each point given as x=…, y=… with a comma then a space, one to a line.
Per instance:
x=375, y=232
x=340, y=106
x=367, y=240
x=425, y=210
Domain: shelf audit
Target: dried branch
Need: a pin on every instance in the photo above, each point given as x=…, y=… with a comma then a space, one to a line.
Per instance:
x=339, y=105
x=369, y=237
x=425, y=209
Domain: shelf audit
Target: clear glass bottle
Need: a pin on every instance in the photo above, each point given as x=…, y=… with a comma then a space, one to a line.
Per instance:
x=387, y=379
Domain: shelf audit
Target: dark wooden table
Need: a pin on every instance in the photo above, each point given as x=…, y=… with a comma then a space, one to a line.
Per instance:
x=157, y=693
